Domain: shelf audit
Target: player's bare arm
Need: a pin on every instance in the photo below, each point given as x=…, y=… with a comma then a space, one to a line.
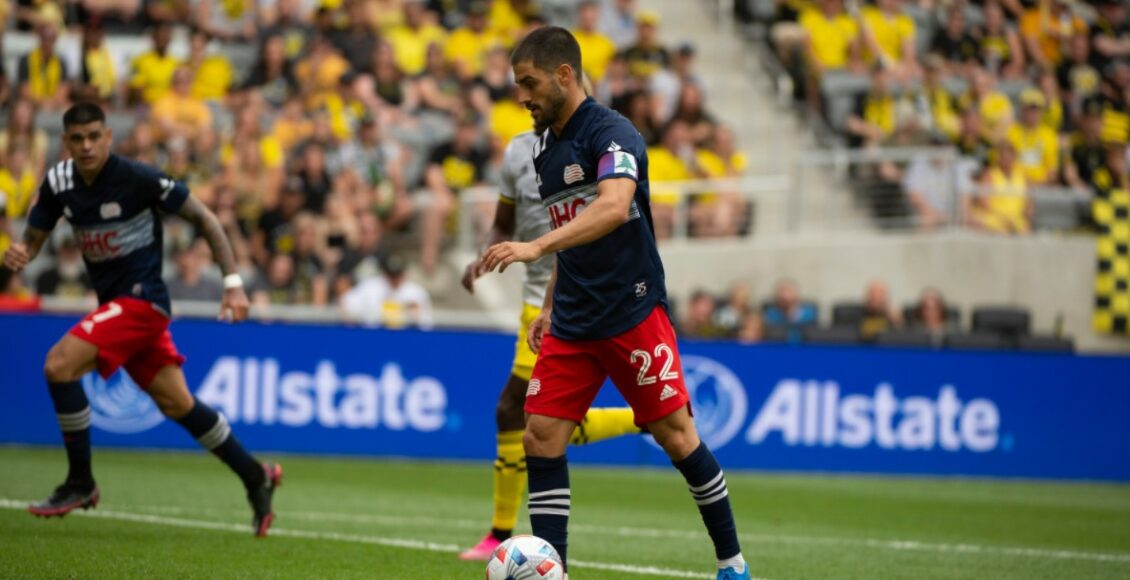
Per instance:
x=502, y=230
x=19, y=255
x=234, y=304
x=608, y=212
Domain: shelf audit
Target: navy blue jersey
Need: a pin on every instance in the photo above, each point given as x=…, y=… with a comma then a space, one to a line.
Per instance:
x=116, y=223
x=609, y=285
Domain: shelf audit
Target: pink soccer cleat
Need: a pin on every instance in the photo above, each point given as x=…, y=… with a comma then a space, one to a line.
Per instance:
x=482, y=551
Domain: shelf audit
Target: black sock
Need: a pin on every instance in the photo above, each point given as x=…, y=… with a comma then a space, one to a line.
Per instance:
x=549, y=500
x=501, y=535
x=213, y=433
x=708, y=487
x=72, y=410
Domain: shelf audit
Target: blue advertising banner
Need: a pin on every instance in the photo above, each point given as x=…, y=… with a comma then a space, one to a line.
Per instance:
x=339, y=390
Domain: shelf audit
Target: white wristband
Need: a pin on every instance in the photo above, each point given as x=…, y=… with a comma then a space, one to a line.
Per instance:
x=233, y=281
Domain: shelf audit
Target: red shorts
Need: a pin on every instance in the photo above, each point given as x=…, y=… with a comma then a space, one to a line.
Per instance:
x=642, y=362
x=130, y=333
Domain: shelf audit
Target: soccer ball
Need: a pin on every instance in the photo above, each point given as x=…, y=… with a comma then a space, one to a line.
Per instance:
x=525, y=558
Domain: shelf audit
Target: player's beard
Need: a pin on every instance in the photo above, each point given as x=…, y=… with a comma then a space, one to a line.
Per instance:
x=551, y=112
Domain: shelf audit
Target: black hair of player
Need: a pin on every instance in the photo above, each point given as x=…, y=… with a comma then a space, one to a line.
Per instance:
x=83, y=114
x=547, y=48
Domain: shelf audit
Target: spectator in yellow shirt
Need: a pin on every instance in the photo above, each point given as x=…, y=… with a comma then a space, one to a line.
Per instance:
x=410, y=40
x=153, y=71
x=1002, y=205
x=999, y=44
x=889, y=36
x=721, y=214
x=18, y=183
x=995, y=107
x=672, y=160
x=597, y=49
x=19, y=132
x=467, y=46
x=178, y=113
x=507, y=18
x=875, y=117
x=1037, y=145
x=319, y=74
x=98, y=78
x=830, y=41
x=43, y=74
x=213, y=72
x=1047, y=27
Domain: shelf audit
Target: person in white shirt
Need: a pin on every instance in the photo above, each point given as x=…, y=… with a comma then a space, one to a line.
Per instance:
x=389, y=300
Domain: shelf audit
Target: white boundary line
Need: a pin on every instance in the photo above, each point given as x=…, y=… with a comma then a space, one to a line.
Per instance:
x=409, y=544
x=626, y=531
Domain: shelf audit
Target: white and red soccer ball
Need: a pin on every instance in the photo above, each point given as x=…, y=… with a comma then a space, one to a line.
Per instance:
x=525, y=558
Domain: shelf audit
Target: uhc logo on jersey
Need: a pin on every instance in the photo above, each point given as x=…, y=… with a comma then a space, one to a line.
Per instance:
x=565, y=206
x=116, y=239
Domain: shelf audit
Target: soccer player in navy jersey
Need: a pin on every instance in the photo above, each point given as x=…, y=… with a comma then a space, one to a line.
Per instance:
x=605, y=313
x=113, y=204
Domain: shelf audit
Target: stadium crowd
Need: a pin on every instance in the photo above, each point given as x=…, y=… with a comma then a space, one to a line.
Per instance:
x=333, y=138
x=1033, y=94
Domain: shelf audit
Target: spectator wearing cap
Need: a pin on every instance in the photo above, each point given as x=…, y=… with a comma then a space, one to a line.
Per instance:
x=191, y=281
x=410, y=40
x=43, y=75
x=212, y=71
x=1085, y=150
x=1048, y=27
x=178, y=113
x=1110, y=33
x=467, y=46
x=618, y=22
x=1000, y=49
x=98, y=78
x=597, y=49
x=647, y=55
x=1037, y=145
x=888, y=35
x=1002, y=204
x=390, y=300
x=152, y=71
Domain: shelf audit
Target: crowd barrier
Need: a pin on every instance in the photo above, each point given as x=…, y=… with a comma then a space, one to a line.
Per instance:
x=339, y=390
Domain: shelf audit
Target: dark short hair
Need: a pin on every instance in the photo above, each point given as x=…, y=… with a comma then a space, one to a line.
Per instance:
x=548, y=48
x=82, y=114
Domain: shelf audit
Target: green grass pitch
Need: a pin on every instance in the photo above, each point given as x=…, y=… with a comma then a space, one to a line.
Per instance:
x=182, y=515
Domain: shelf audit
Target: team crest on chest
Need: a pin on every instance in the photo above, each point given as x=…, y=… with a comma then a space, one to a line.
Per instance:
x=110, y=210
x=573, y=173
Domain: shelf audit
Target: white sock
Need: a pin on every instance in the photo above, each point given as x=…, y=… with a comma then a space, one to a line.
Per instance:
x=737, y=563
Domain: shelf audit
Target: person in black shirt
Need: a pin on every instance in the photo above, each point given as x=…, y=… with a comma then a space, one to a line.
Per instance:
x=953, y=42
x=452, y=167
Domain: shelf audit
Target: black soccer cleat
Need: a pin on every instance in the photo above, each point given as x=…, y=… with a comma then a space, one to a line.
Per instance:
x=260, y=499
x=65, y=499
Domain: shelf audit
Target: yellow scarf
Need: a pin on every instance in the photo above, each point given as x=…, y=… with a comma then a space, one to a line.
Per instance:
x=44, y=80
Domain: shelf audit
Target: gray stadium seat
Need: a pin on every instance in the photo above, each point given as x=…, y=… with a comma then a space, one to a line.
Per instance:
x=906, y=339
x=1006, y=321
x=977, y=341
x=1057, y=208
x=848, y=314
x=1039, y=343
x=836, y=335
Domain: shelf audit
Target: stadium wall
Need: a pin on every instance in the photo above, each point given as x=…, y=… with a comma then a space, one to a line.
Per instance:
x=339, y=390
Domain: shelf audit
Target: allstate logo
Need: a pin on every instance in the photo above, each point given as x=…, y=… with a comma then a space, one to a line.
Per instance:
x=117, y=405
x=718, y=400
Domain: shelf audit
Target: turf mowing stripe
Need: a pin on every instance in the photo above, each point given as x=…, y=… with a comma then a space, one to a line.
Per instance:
x=625, y=531
x=352, y=538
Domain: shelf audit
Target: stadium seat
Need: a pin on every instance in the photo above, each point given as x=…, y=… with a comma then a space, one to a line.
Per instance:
x=1057, y=208
x=848, y=314
x=906, y=339
x=1045, y=343
x=1007, y=321
x=978, y=341
x=835, y=335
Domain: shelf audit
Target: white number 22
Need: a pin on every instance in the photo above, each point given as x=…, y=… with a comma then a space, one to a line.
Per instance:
x=661, y=351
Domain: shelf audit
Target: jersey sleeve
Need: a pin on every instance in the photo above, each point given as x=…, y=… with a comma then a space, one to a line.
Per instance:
x=508, y=176
x=617, y=147
x=160, y=190
x=46, y=210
